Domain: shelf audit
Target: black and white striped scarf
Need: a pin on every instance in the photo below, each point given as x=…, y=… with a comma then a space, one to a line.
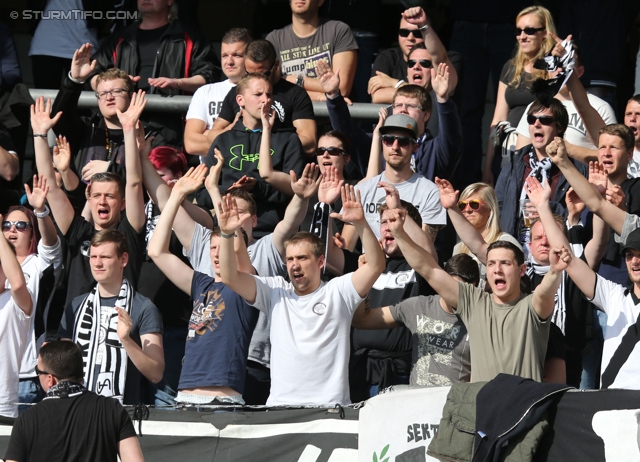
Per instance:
x=559, y=315
x=104, y=357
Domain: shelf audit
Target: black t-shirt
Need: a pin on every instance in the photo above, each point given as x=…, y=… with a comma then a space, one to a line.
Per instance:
x=148, y=44
x=78, y=238
x=289, y=101
x=392, y=63
x=79, y=428
x=517, y=98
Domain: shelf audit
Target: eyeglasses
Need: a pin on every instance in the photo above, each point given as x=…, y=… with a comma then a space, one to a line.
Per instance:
x=400, y=106
x=529, y=30
x=39, y=372
x=403, y=141
x=473, y=203
x=332, y=150
x=544, y=120
x=423, y=63
x=20, y=225
x=116, y=92
x=405, y=33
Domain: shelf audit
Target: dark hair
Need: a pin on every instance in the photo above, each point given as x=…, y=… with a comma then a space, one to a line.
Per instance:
x=63, y=360
x=315, y=241
x=412, y=211
x=105, y=236
x=243, y=83
x=518, y=255
x=344, y=139
x=237, y=34
x=108, y=177
x=261, y=50
x=248, y=198
x=31, y=217
x=621, y=131
x=419, y=46
x=170, y=158
x=415, y=91
x=465, y=267
x=558, y=111
x=113, y=74
x=577, y=56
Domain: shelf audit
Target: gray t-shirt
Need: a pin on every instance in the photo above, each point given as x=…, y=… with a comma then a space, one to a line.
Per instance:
x=300, y=55
x=510, y=338
x=440, y=354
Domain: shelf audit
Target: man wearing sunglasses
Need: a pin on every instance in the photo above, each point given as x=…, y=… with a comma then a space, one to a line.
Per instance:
x=546, y=121
x=16, y=305
x=390, y=67
x=292, y=104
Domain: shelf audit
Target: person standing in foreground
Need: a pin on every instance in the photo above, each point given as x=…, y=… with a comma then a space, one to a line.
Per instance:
x=71, y=424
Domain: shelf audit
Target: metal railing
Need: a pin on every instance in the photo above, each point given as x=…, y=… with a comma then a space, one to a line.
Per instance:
x=181, y=104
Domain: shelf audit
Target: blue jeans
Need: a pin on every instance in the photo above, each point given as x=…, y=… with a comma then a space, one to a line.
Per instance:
x=173, y=341
x=592, y=359
x=30, y=391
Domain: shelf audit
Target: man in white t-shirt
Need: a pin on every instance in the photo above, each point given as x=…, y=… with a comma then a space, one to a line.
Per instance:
x=310, y=319
x=16, y=305
x=206, y=102
x=632, y=120
x=399, y=141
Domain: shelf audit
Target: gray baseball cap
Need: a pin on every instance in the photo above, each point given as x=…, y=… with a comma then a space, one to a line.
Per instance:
x=402, y=122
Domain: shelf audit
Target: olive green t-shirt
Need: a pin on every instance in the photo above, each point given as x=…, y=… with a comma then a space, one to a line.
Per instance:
x=509, y=338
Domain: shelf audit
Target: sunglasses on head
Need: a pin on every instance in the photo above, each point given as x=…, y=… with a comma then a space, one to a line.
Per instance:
x=405, y=33
x=529, y=30
x=403, y=141
x=332, y=150
x=423, y=63
x=544, y=120
x=473, y=203
x=20, y=225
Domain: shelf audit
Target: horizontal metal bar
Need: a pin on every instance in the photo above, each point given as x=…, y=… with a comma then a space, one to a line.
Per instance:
x=181, y=104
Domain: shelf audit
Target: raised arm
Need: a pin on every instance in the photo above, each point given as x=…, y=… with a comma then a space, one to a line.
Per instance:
x=375, y=155
x=328, y=192
x=62, y=163
x=41, y=122
x=545, y=294
x=343, y=63
x=13, y=272
x=148, y=359
x=593, y=199
x=279, y=180
x=365, y=276
x=422, y=261
x=37, y=199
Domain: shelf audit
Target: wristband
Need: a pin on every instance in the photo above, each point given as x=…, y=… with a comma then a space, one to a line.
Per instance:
x=80, y=82
x=227, y=236
x=424, y=28
x=42, y=214
x=400, y=82
x=40, y=135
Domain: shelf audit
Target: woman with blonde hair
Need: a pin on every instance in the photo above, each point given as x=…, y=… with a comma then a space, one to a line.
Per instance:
x=534, y=33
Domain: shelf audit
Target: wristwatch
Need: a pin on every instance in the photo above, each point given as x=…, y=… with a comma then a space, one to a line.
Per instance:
x=300, y=81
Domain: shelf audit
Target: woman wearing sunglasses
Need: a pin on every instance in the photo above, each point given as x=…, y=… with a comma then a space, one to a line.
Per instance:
x=478, y=204
x=38, y=249
x=534, y=26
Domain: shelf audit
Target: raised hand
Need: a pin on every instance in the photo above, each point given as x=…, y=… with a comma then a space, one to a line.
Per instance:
x=190, y=181
x=144, y=142
x=392, y=196
x=37, y=196
x=41, y=121
x=213, y=179
x=130, y=117
x=329, y=80
x=62, y=154
x=81, y=65
x=229, y=220
x=557, y=151
x=598, y=177
x=267, y=115
x=330, y=186
x=92, y=167
x=125, y=323
x=415, y=16
x=382, y=116
x=575, y=205
x=560, y=258
x=352, y=210
x=448, y=195
x=616, y=196
x=307, y=185
x=440, y=81
x=395, y=220
x=538, y=194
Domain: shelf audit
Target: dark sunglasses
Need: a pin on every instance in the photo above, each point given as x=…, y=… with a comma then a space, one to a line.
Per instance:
x=39, y=372
x=332, y=150
x=403, y=141
x=544, y=120
x=20, y=225
x=405, y=33
x=529, y=30
x=473, y=203
x=423, y=63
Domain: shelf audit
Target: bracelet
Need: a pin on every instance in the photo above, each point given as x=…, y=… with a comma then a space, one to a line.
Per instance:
x=227, y=236
x=424, y=28
x=40, y=135
x=42, y=214
x=400, y=82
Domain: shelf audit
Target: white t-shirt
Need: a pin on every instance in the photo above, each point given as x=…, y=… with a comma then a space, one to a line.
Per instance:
x=309, y=340
x=576, y=132
x=33, y=268
x=14, y=335
x=633, y=169
x=622, y=313
x=206, y=102
x=417, y=190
